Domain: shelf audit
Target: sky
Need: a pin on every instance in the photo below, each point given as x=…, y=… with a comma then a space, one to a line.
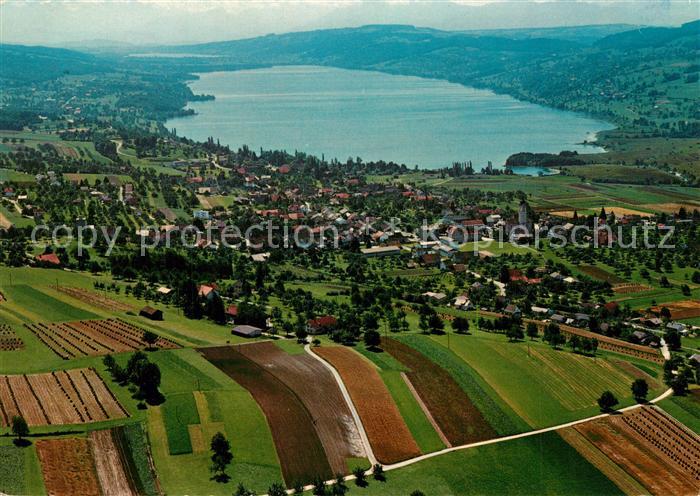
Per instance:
x=103, y=22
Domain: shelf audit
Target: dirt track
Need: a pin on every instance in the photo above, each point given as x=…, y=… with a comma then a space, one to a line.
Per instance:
x=317, y=389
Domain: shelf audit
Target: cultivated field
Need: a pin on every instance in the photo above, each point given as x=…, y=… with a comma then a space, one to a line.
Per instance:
x=63, y=397
x=456, y=416
x=9, y=341
x=660, y=453
x=96, y=299
x=299, y=448
x=111, y=472
x=331, y=415
x=600, y=274
x=541, y=385
x=388, y=435
x=686, y=309
x=93, y=337
x=68, y=467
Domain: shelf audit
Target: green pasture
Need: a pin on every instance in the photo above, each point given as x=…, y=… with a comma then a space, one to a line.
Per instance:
x=544, y=464
x=543, y=386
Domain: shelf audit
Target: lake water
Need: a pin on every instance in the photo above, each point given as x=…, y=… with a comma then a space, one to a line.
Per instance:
x=342, y=113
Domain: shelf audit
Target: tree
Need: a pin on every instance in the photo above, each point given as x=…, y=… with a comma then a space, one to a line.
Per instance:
x=221, y=457
x=319, y=487
x=640, y=389
x=150, y=338
x=531, y=330
x=460, y=325
x=679, y=385
x=607, y=401
x=378, y=472
x=216, y=310
x=514, y=332
x=437, y=326
x=360, y=477
x=372, y=339
x=423, y=324
x=276, y=489
x=339, y=487
x=665, y=313
x=553, y=335
x=673, y=339
x=148, y=380
x=20, y=429
x=241, y=490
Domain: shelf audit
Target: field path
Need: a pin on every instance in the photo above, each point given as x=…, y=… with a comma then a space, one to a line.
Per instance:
x=346, y=395
x=427, y=456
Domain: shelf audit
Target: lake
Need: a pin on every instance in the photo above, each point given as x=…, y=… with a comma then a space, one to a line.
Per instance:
x=342, y=113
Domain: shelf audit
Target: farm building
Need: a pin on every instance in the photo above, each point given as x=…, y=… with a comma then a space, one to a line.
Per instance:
x=381, y=251
x=232, y=313
x=48, y=259
x=247, y=331
x=321, y=325
x=151, y=313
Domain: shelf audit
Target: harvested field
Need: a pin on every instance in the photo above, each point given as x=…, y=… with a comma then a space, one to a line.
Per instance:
x=93, y=337
x=96, y=299
x=686, y=309
x=332, y=418
x=111, y=473
x=387, y=432
x=459, y=420
x=630, y=287
x=298, y=446
x=600, y=274
x=673, y=208
x=67, y=467
x=598, y=459
x=64, y=397
x=9, y=341
x=660, y=453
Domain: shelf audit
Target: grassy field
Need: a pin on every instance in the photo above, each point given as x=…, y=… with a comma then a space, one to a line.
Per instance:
x=20, y=472
x=543, y=464
x=544, y=387
x=421, y=429
x=179, y=411
x=685, y=409
x=222, y=405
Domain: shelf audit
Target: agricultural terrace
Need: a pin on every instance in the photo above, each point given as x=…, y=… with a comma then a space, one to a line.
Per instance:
x=62, y=397
x=386, y=430
x=662, y=454
x=331, y=416
x=543, y=386
x=298, y=445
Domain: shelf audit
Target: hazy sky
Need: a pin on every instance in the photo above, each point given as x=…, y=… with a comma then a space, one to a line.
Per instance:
x=58, y=22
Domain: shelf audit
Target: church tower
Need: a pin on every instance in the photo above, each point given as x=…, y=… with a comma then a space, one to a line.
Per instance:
x=522, y=213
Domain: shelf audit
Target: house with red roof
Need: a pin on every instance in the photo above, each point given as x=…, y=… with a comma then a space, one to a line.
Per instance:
x=48, y=259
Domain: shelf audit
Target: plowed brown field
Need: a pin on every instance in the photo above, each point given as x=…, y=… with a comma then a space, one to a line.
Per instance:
x=317, y=389
x=686, y=309
x=299, y=448
x=386, y=430
x=459, y=420
x=67, y=467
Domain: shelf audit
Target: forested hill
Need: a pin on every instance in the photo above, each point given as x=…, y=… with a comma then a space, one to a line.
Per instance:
x=644, y=79
x=21, y=64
